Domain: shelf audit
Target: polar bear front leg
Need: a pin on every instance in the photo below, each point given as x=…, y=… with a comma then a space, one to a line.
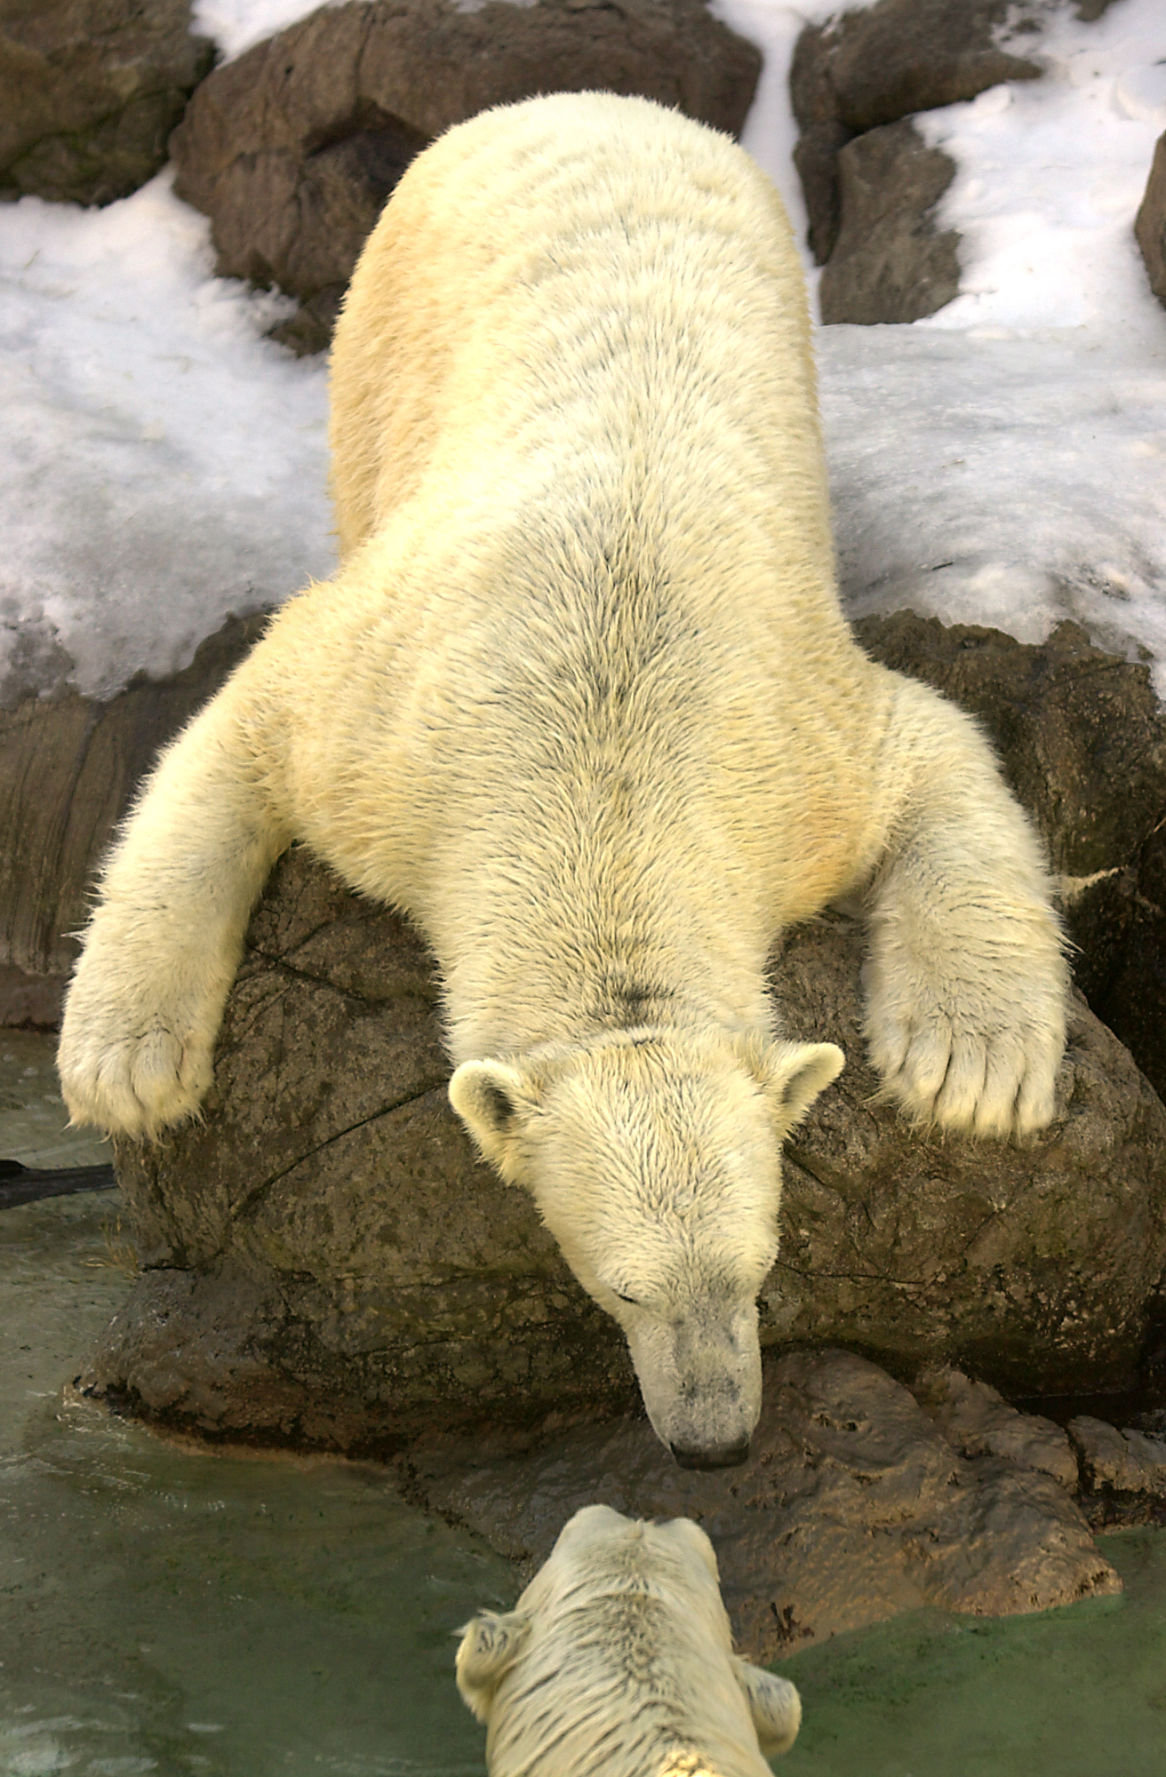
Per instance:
x=966, y=982
x=161, y=950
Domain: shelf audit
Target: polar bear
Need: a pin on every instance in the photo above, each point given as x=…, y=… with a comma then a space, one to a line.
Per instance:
x=617, y=1661
x=580, y=699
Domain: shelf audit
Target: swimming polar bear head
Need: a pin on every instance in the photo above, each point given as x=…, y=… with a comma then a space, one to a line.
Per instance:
x=654, y=1159
x=617, y=1660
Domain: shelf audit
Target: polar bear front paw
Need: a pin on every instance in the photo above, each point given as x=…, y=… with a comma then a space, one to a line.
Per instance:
x=133, y=1085
x=966, y=1065
x=128, y=1067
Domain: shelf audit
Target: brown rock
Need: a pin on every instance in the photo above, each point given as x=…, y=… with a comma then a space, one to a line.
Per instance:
x=873, y=67
x=293, y=148
x=853, y=1506
x=1120, y=1461
x=92, y=90
x=403, y=1286
x=1150, y=222
x=977, y=1421
x=68, y=767
x=889, y=262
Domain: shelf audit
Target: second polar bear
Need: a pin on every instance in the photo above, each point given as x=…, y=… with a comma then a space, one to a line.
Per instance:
x=581, y=700
x=618, y=1661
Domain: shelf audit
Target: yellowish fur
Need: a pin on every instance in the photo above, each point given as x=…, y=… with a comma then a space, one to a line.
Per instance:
x=617, y=1661
x=581, y=700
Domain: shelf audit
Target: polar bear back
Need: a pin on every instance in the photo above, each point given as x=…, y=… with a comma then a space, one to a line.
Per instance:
x=579, y=483
x=576, y=275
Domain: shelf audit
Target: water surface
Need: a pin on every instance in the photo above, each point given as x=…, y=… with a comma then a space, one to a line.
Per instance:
x=173, y=1610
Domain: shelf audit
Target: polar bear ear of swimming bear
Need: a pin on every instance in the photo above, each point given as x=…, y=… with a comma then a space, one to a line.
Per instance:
x=793, y=1074
x=773, y=1703
x=495, y=1101
x=489, y=1646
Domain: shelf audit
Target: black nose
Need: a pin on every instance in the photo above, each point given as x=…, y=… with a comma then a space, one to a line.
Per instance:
x=712, y=1455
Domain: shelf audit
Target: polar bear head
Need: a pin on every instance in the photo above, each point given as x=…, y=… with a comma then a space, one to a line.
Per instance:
x=654, y=1159
x=618, y=1660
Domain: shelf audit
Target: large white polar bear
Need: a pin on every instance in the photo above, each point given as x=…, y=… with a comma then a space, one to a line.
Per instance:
x=617, y=1661
x=581, y=700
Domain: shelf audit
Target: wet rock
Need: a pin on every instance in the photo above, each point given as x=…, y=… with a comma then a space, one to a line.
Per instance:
x=977, y=1421
x=405, y=1286
x=873, y=67
x=1120, y=1462
x=890, y=262
x=293, y=148
x=1082, y=738
x=92, y=90
x=1150, y=223
x=853, y=1506
x=68, y=767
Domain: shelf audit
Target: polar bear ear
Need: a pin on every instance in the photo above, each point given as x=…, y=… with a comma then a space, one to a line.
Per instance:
x=495, y=1101
x=773, y=1703
x=488, y=1648
x=793, y=1074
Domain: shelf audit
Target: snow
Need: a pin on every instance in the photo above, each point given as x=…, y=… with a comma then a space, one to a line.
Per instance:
x=237, y=25
x=164, y=464
x=1001, y=462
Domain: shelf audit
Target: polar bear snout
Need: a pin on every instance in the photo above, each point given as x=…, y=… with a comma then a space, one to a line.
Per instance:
x=700, y=1377
x=718, y=1456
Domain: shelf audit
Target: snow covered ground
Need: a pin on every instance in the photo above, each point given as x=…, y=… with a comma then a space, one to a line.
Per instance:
x=1002, y=462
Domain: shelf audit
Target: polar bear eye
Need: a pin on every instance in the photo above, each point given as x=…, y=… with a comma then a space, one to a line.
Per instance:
x=630, y=1300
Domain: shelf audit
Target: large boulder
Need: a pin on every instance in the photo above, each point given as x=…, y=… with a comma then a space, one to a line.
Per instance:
x=293, y=148
x=326, y=1261
x=890, y=261
x=92, y=90
x=864, y=69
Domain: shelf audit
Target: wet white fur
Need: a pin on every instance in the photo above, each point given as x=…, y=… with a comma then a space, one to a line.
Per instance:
x=617, y=1661
x=581, y=700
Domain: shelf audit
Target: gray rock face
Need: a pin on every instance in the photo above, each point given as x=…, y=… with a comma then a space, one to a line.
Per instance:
x=854, y=1505
x=1083, y=742
x=293, y=148
x=1150, y=223
x=890, y=262
x=873, y=67
x=92, y=90
x=68, y=766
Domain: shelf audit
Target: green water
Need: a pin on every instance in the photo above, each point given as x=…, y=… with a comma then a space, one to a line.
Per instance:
x=168, y=1610
x=1079, y=1692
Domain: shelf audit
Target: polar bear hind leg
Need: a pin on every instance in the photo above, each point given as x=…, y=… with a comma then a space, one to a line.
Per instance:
x=161, y=951
x=966, y=983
